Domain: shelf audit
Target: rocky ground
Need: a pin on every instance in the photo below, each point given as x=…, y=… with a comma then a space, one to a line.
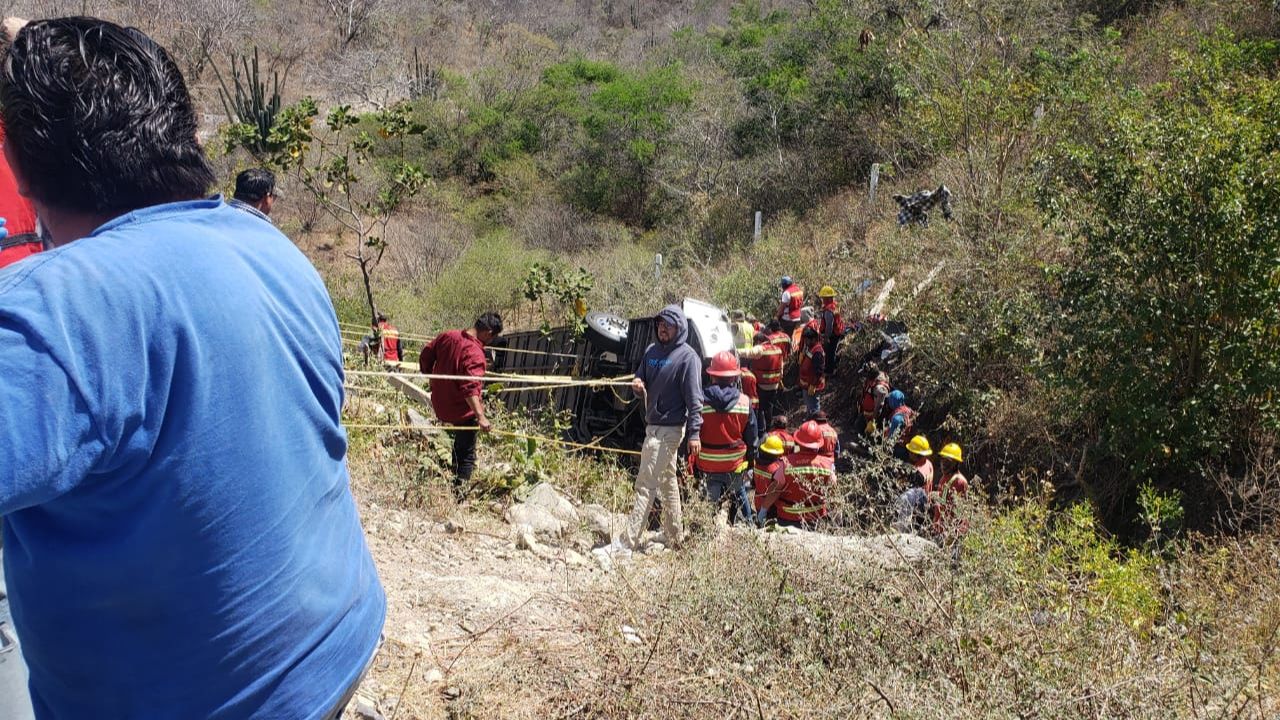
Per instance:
x=470, y=593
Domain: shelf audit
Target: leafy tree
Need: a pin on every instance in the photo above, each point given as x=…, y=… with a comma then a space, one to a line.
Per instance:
x=618, y=123
x=1171, y=332
x=336, y=165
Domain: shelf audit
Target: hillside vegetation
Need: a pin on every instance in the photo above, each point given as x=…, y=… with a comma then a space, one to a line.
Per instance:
x=1102, y=334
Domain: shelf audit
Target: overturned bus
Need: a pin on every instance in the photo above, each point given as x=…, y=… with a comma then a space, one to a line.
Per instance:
x=608, y=347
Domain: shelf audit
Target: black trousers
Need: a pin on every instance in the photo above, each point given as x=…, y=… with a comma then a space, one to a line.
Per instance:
x=770, y=400
x=464, y=452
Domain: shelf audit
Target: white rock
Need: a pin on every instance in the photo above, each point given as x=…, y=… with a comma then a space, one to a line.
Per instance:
x=604, y=525
x=433, y=676
x=546, y=512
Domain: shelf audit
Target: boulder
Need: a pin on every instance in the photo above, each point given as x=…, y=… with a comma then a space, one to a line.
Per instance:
x=604, y=525
x=545, y=513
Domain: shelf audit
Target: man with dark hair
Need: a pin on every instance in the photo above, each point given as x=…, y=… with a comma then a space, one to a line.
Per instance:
x=457, y=402
x=180, y=535
x=256, y=192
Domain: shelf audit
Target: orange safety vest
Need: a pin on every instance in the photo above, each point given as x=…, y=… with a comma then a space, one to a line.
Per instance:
x=795, y=303
x=868, y=401
x=809, y=378
x=769, y=367
x=762, y=477
x=723, y=449
x=750, y=386
x=804, y=497
x=830, y=438
x=390, y=342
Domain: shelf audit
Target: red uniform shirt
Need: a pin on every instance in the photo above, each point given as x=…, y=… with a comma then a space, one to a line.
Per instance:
x=20, y=219
x=453, y=352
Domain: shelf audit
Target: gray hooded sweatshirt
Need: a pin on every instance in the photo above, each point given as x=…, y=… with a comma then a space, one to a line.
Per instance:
x=672, y=375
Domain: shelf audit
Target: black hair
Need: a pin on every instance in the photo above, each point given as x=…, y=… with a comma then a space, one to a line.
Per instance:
x=777, y=421
x=381, y=317
x=98, y=118
x=254, y=184
x=774, y=325
x=490, y=321
x=819, y=416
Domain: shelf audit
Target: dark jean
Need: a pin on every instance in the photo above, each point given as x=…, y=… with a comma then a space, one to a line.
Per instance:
x=721, y=487
x=464, y=453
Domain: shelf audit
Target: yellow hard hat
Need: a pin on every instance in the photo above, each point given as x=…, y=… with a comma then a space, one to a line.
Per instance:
x=827, y=291
x=952, y=451
x=919, y=445
x=871, y=427
x=773, y=445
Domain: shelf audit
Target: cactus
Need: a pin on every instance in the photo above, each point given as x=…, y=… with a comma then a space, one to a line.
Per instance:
x=424, y=80
x=249, y=105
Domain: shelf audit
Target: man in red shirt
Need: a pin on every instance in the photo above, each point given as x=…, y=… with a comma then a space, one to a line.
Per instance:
x=457, y=402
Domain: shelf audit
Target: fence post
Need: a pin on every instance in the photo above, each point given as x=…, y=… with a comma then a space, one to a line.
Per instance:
x=657, y=267
x=875, y=180
x=755, y=235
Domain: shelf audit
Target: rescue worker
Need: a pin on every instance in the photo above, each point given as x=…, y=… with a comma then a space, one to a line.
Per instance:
x=390, y=347
x=791, y=306
x=802, y=500
x=830, y=325
x=813, y=368
x=913, y=503
x=387, y=338
x=767, y=365
x=951, y=485
x=902, y=421
x=457, y=402
x=778, y=426
x=768, y=476
x=875, y=388
x=830, y=438
x=743, y=332
x=728, y=429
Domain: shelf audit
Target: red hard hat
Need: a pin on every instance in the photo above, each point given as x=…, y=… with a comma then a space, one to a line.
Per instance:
x=724, y=364
x=809, y=436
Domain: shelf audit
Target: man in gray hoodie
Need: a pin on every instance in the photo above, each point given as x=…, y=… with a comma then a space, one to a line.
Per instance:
x=670, y=381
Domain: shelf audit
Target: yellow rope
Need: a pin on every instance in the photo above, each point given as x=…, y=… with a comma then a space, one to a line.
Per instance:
x=362, y=334
x=558, y=380
x=507, y=433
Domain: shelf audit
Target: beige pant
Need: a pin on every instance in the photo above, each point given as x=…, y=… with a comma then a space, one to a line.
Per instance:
x=657, y=476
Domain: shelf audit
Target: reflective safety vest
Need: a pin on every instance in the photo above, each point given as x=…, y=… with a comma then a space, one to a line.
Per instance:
x=762, y=476
x=908, y=424
x=795, y=303
x=782, y=340
x=788, y=440
x=750, y=386
x=390, y=342
x=723, y=449
x=804, y=496
x=768, y=367
x=868, y=402
x=830, y=439
x=808, y=377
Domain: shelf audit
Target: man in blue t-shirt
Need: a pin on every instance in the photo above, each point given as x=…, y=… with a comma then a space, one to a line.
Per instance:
x=180, y=538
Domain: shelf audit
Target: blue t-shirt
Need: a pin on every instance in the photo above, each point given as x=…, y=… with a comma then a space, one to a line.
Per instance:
x=180, y=538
